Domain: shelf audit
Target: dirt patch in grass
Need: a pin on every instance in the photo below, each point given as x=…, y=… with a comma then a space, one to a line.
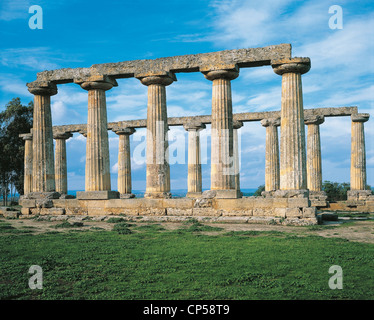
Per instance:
x=350, y=229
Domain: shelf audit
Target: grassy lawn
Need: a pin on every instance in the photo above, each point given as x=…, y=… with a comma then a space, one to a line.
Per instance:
x=146, y=261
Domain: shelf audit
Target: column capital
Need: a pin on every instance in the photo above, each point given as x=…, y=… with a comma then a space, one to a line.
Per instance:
x=123, y=131
x=62, y=135
x=26, y=136
x=194, y=126
x=317, y=120
x=96, y=82
x=236, y=124
x=83, y=133
x=224, y=73
x=164, y=78
x=291, y=65
x=42, y=88
x=360, y=117
x=270, y=122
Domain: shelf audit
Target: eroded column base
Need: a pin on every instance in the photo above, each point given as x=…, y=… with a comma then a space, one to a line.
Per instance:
x=127, y=195
x=228, y=194
x=318, y=198
x=357, y=195
x=157, y=195
x=194, y=195
x=97, y=195
x=42, y=195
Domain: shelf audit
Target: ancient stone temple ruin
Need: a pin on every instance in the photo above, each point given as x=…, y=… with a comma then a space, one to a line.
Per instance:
x=293, y=175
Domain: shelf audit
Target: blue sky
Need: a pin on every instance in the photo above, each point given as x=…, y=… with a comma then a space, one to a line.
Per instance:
x=81, y=33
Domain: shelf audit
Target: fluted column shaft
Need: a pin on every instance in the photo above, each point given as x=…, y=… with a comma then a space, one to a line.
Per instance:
x=222, y=160
x=314, y=161
x=124, y=162
x=61, y=178
x=358, y=153
x=158, y=169
x=43, y=158
x=236, y=126
x=271, y=154
x=292, y=144
x=194, y=178
x=97, y=146
x=28, y=173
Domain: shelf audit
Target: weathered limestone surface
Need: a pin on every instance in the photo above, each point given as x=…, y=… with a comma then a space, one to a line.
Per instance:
x=222, y=161
x=358, y=154
x=271, y=154
x=124, y=162
x=158, y=170
x=250, y=57
x=97, y=146
x=314, y=162
x=194, y=178
x=292, y=145
x=27, y=185
x=43, y=158
x=236, y=125
x=206, y=119
x=61, y=178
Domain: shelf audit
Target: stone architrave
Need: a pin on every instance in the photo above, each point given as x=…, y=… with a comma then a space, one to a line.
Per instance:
x=236, y=125
x=61, y=178
x=222, y=152
x=97, y=179
x=358, y=158
x=292, y=142
x=124, y=162
x=27, y=183
x=194, y=179
x=157, y=156
x=43, y=182
x=271, y=154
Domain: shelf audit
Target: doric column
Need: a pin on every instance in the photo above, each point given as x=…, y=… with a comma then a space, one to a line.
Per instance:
x=222, y=160
x=27, y=176
x=292, y=142
x=194, y=179
x=124, y=162
x=158, y=169
x=271, y=154
x=236, y=125
x=61, y=177
x=97, y=179
x=358, y=157
x=43, y=182
x=314, y=162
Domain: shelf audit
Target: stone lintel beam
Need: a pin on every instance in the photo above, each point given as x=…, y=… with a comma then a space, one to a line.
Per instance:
x=206, y=119
x=244, y=58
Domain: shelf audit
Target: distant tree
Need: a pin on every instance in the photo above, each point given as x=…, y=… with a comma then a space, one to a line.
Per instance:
x=259, y=190
x=335, y=191
x=14, y=120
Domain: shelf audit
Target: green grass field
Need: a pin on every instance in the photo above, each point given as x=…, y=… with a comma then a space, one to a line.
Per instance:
x=146, y=261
